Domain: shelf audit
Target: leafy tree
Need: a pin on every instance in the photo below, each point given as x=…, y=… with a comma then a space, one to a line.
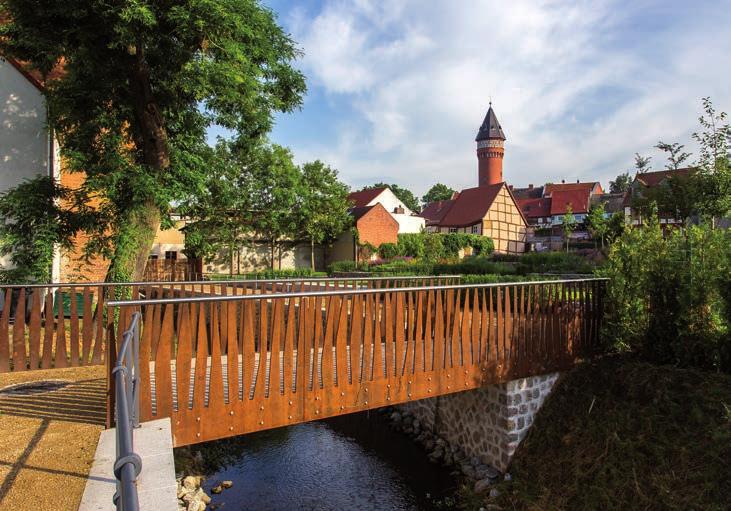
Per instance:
x=714, y=168
x=568, y=225
x=616, y=226
x=621, y=183
x=436, y=193
x=404, y=194
x=676, y=155
x=597, y=223
x=324, y=205
x=142, y=81
x=33, y=223
x=642, y=163
x=277, y=190
x=220, y=214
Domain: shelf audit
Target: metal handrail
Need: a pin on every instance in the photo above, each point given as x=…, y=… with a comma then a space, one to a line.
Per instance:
x=342, y=292
x=215, y=282
x=126, y=374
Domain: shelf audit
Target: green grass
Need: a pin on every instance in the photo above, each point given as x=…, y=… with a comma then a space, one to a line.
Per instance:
x=622, y=434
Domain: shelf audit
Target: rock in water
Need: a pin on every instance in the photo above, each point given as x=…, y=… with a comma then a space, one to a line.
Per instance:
x=227, y=484
x=190, y=483
x=217, y=489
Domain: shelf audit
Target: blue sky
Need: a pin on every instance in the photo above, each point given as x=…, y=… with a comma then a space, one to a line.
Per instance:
x=397, y=89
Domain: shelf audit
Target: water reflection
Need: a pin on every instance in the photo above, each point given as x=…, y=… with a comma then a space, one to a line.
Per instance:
x=352, y=462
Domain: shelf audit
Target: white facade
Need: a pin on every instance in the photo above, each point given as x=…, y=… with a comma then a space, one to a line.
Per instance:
x=26, y=148
x=408, y=222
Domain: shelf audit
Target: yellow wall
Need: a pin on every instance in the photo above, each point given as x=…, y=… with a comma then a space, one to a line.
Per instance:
x=504, y=224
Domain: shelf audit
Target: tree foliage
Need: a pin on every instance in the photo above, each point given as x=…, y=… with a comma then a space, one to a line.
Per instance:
x=621, y=183
x=568, y=225
x=676, y=155
x=141, y=83
x=323, y=210
x=33, y=222
x=597, y=223
x=667, y=295
x=438, y=192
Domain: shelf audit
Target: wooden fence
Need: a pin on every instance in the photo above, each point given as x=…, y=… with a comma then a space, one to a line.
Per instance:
x=65, y=324
x=224, y=366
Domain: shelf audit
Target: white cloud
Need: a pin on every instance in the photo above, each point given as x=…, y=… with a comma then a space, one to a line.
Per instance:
x=578, y=87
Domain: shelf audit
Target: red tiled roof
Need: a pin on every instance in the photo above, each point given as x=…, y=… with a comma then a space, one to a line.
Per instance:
x=577, y=199
x=550, y=188
x=471, y=206
x=435, y=211
x=535, y=208
x=655, y=178
x=363, y=197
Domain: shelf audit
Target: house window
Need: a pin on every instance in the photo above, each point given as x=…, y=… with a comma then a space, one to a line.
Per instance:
x=452, y=229
x=171, y=255
x=153, y=257
x=476, y=229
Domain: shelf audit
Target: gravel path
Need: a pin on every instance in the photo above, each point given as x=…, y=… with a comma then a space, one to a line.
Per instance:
x=48, y=437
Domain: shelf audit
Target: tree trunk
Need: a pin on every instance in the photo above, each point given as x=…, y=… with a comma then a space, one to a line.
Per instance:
x=312, y=255
x=133, y=243
x=138, y=224
x=271, y=257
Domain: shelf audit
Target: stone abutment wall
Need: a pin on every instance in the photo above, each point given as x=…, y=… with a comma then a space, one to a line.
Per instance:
x=487, y=424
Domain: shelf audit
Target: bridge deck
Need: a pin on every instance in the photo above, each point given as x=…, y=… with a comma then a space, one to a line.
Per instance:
x=364, y=350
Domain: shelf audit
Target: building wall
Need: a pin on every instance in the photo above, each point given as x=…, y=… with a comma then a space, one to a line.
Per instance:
x=504, y=224
x=377, y=227
x=257, y=258
x=343, y=248
x=409, y=223
x=487, y=423
x=26, y=149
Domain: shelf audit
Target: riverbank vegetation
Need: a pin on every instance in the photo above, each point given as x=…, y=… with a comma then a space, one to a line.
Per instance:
x=620, y=433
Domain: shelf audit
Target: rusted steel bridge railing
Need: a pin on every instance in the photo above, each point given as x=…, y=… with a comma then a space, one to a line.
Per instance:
x=221, y=366
x=58, y=325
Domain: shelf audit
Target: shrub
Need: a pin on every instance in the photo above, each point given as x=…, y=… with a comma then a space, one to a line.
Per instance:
x=667, y=296
x=388, y=250
x=344, y=266
x=456, y=241
x=433, y=247
x=551, y=262
x=269, y=274
x=411, y=244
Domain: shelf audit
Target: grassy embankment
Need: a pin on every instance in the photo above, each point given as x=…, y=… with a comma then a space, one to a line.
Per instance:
x=618, y=433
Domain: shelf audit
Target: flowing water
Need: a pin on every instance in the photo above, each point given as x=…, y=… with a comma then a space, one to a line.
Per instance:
x=354, y=462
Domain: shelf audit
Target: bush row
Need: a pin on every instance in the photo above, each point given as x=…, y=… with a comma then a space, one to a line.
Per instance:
x=433, y=247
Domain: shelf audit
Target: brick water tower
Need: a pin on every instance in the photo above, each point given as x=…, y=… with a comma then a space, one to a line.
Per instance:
x=490, y=149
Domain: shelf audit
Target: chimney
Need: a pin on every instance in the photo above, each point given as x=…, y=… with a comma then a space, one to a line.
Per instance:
x=563, y=181
x=399, y=210
x=530, y=186
x=577, y=181
x=511, y=187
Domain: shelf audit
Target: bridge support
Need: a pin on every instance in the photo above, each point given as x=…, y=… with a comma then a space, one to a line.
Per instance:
x=487, y=423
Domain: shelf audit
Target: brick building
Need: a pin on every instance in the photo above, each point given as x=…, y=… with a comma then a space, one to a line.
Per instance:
x=373, y=225
x=490, y=209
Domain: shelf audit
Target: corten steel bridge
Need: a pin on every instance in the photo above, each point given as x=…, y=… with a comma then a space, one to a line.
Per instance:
x=222, y=363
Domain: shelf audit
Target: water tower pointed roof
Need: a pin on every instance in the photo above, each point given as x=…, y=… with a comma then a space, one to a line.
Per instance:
x=490, y=128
